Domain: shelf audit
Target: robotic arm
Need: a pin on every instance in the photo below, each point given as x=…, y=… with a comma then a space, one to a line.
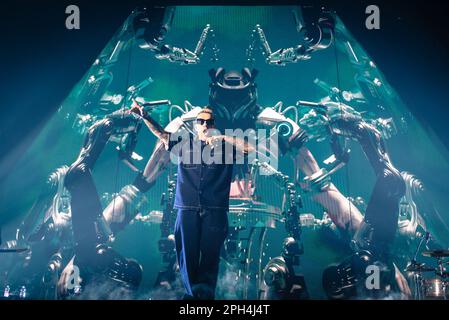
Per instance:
x=322, y=39
x=151, y=27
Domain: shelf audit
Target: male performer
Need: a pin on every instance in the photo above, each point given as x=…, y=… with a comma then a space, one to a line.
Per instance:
x=202, y=198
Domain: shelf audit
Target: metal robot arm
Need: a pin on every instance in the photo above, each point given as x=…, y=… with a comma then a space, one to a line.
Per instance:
x=287, y=128
x=339, y=101
x=338, y=121
x=382, y=212
x=90, y=230
x=295, y=138
x=85, y=203
x=311, y=43
x=97, y=102
x=151, y=27
x=417, y=212
x=294, y=134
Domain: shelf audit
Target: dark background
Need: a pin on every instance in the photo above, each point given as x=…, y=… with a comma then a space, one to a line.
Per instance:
x=41, y=60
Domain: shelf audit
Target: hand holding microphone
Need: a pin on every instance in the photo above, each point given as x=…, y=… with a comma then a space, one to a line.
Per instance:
x=138, y=109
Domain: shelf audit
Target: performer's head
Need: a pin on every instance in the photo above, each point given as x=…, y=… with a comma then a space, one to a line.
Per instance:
x=204, y=121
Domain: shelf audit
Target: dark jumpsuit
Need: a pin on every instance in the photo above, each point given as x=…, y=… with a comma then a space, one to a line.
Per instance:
x=202, y=200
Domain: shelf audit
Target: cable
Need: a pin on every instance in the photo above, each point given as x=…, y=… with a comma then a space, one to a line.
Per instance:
x=122, y=115
x=337, y=69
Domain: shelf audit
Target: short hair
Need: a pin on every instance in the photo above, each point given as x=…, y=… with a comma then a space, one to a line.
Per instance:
x=208, y=111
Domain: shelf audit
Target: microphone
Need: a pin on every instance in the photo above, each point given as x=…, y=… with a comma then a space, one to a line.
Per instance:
x=156, y=103
x=146, y=107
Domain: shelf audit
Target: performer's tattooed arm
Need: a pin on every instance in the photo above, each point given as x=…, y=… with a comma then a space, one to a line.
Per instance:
x=154, y=127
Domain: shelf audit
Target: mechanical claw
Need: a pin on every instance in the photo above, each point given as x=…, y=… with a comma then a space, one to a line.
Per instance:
x=322, y=40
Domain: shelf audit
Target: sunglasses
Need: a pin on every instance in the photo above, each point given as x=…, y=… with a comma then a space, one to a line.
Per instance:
x=209, y=122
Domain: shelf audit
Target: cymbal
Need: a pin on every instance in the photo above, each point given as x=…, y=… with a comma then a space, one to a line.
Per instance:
x=418, y=267
x=436, y=253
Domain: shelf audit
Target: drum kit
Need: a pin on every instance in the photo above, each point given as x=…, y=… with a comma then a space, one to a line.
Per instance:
x=436, y=286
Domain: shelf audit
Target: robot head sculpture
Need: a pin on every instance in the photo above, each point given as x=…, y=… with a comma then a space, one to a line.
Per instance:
x=233, y=97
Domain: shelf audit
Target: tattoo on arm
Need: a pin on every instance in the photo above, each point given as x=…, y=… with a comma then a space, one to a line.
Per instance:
x=156, y=129
x=240, y=144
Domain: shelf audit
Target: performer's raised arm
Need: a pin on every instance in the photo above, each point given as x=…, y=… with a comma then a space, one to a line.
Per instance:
x=154, y=127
